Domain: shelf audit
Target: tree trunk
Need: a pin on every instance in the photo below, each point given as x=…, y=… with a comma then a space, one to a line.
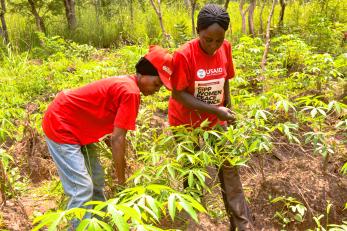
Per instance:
x=250, y=17
x=39, y=21
x=267, y=42
x=159, y=14
x=132, y=12
x=3, y=22
x=70, y=14
x=97, y=12
x=283, y=7
x=2, y=179
x=261, y=17
x=243, y=15
x=226, y=4
x=186, y=3
x=192, y=13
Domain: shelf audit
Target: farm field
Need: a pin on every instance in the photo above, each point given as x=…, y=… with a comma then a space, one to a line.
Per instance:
x=289, y=140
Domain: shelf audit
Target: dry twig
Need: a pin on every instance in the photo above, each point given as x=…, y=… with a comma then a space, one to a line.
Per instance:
x=303, y=197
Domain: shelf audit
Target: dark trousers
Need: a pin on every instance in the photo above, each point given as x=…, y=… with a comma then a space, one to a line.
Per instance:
x=235, y=203
x=234, y=200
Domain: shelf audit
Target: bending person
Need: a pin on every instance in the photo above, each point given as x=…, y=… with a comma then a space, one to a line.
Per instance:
x=80, y=117
x=200, y=82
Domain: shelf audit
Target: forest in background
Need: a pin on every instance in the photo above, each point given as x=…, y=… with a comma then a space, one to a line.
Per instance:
x=108, y=23
x=289, y=96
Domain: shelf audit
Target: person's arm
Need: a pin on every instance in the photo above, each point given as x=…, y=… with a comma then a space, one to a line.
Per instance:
x=190, y=101
x=118, y=142
x=227, y=102
x=107, y=141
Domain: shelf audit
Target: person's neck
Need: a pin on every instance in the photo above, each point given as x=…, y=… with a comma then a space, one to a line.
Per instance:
x=202, y=48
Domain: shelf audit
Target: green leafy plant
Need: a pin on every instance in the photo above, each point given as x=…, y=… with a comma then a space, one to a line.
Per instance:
x=181, y=33
x=344, y=169
x=291, y=52
x=11, y=181
x=321, y=68
x=56, y=46
x=139, y=207
x=292, y=210
x=327, y=226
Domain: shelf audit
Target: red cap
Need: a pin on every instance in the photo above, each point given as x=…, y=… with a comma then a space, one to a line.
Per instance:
x=161, y=59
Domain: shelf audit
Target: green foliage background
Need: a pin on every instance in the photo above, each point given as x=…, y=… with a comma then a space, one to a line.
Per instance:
x=110, y=24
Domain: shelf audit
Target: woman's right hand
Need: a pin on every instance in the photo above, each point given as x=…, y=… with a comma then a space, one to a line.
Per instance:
x=225, y=114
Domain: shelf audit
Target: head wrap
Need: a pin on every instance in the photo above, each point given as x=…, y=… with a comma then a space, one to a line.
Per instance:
x=210, y=14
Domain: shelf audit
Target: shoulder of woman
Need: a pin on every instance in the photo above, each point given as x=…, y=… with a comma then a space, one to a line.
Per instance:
x=226, y=43
x=187, y=47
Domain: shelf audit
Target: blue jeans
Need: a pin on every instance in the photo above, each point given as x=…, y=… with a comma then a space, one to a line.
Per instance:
x=80, y=172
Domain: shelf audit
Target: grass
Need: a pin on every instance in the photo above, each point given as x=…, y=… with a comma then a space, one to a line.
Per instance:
x=51, y=189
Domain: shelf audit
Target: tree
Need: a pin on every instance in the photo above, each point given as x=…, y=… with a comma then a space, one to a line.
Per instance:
x=226, y=4
x=131, y=8
x=250, y=17
x=157, y=10
x=243, y=15
x=3, y=22
x=38, y=19
x=70, y=14
x=283, y=7
x=40, y=9
x=261, y=16
x=186, y=3
x=267, y=42
x=97, y=6
x=192, y=13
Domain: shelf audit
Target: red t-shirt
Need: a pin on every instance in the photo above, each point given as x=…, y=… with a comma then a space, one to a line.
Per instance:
x=84, y=115
x=202, y=76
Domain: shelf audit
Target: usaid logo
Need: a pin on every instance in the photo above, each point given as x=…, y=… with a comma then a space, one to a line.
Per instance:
x=201, y=73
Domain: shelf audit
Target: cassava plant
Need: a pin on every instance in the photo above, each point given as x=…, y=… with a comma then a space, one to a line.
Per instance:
x=322, y=224
x=291, y=211
x=139, y=207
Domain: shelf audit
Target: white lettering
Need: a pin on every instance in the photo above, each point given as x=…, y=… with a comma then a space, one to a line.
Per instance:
x=201, y=73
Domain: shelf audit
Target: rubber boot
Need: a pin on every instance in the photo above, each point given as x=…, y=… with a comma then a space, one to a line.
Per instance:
x=234, y=199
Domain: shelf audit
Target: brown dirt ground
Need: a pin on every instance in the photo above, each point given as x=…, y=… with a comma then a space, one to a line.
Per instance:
x=18, y=214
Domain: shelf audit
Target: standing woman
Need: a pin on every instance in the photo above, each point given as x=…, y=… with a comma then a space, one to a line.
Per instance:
x=200, y=82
